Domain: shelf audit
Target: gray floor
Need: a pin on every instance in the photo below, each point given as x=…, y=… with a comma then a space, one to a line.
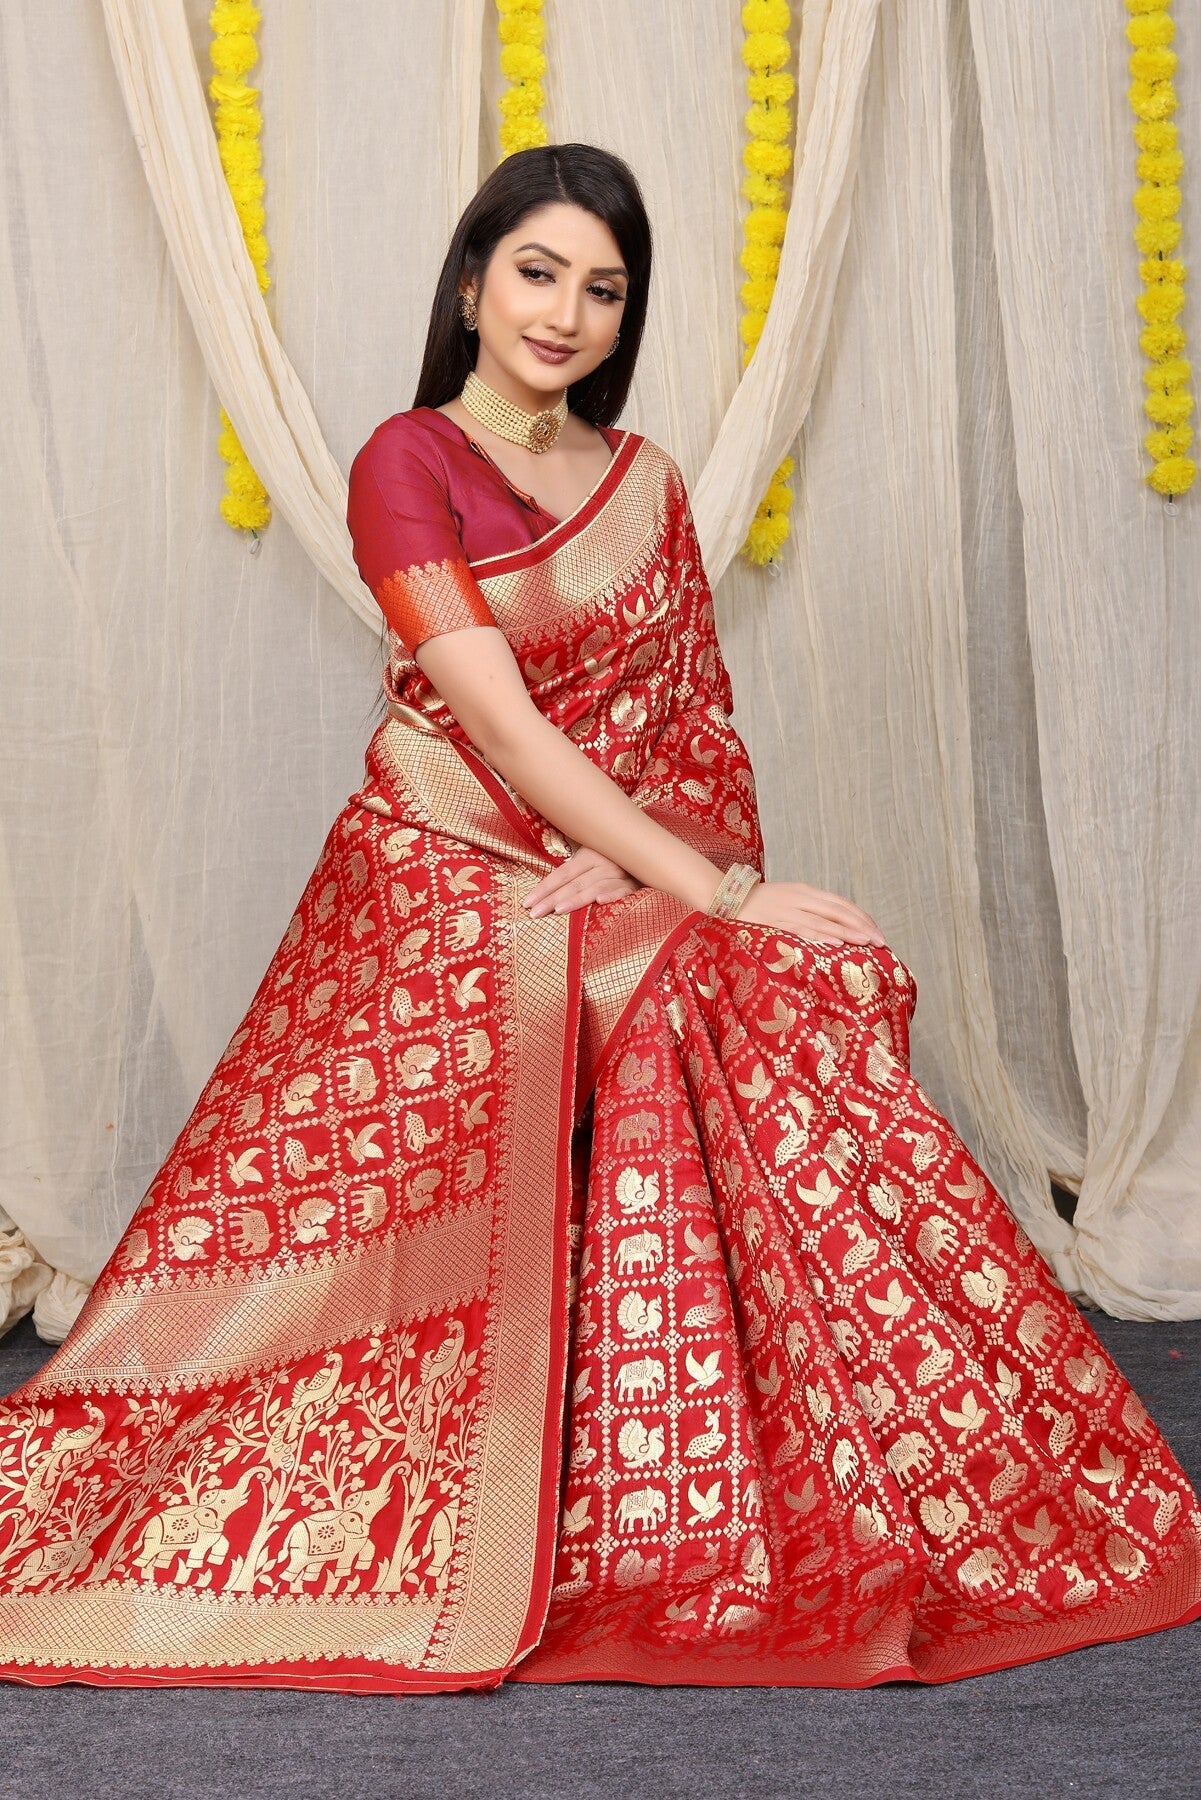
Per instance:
x=1108, y=1720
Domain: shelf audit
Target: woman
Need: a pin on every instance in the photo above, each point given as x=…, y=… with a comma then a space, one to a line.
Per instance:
x=561, y=1275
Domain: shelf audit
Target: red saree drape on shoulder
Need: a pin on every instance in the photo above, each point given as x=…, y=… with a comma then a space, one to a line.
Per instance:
x=588, y=1296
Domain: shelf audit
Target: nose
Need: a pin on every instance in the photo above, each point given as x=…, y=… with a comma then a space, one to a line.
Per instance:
x=565, y=318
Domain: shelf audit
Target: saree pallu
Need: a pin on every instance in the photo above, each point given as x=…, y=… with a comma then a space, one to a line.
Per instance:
x=592, y=1296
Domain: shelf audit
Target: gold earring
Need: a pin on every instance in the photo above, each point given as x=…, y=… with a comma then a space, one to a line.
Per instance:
x=612, y=346
x=467, y=310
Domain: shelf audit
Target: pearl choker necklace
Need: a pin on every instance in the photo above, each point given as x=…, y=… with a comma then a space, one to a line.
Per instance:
x=537, y=430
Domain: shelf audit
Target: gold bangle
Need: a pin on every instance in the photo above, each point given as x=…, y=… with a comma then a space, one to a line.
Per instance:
x=732, y=890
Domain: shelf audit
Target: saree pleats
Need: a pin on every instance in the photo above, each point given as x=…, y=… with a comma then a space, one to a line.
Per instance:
x=832, y=1421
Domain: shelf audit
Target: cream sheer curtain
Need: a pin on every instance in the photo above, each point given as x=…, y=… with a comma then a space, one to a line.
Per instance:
x=965, y=690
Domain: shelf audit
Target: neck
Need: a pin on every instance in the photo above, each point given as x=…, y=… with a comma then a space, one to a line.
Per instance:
x=530, y=399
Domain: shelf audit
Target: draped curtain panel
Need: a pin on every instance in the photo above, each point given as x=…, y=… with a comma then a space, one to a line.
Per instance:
x=965, y=687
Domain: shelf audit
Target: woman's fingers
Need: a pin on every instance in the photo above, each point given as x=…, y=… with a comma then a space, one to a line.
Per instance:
x=581, y=892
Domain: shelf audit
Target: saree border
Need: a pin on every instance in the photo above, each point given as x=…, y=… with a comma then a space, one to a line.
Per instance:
x=508, y=1549
x=509, y=562
x=888, y=1653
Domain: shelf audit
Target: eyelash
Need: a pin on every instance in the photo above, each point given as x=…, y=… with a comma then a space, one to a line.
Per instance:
x=530, y=269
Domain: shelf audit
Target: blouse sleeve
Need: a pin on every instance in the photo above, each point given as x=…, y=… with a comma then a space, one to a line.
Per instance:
x=406, y=543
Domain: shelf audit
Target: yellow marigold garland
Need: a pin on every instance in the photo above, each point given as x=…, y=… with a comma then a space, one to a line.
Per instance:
x=238, y=121
x=521, y=29
x=767, y=159
x=1159, y=165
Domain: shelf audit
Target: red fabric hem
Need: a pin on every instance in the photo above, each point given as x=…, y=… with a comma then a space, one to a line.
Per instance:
x=663, y=1668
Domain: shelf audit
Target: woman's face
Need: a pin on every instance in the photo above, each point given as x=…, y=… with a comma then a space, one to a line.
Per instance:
x=559, y=279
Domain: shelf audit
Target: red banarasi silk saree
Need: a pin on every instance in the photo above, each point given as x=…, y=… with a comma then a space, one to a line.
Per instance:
x=595, y=1295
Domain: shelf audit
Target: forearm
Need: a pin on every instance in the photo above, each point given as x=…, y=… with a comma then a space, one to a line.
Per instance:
x=556, y=777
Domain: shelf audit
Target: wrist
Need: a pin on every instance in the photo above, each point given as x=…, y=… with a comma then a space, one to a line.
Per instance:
x=736, y=885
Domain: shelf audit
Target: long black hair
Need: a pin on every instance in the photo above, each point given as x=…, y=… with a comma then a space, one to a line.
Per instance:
x=580, y=175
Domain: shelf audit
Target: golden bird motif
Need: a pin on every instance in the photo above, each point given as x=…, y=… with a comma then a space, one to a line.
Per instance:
x=1123, y=1557
x=707, y=1505
x=297, y=1095
x=361, y=1145
x=1063, y=1427
x=635, y=1570
x=893, y=1305
x=578, y=1517
x=318, y=1002
x=944, y=1517
x=782, y=1020
x=968, y=1418
x=411, y=948
x=202, y=1129
x=188, y=1238
x=362, y=922
x=824, y=1193
x=1109, y=1471
x=310, y=1218
x=876, y=1400
x=1087, y=1373
x=415, y=1063
x=985, y=1286
x=1041, y=1534
x=769, y=1383
x=636, y=1192
x=1009, y=1477
x=397, y=845
x=705, y=1374
x=884, y=1198
x=536, y=672
x=701, y=1249
x=466, y=990
x=240, y=1169
x=772, y=1283
x=1134, y=1414
x=868, y=1524
x=820, y=1405
x=641, y=1447
x=861, y=980
x=870, y=1113
x=758, y=1087
x=938, y=1361
x=1009, y=1383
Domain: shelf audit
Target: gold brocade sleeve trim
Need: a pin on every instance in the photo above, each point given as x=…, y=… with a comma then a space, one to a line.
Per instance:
x=431, y=597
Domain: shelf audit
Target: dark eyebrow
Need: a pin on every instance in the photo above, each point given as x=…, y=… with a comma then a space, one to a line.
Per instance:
x=555, y=257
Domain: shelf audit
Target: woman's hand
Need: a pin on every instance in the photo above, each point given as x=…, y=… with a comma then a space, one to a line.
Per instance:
x=585, y=876
x=809, y=912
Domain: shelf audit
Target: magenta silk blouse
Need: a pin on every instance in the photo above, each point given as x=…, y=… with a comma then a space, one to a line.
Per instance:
x=425, y=502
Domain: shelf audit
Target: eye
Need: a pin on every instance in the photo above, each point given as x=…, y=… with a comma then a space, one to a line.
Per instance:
x=531, y=270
